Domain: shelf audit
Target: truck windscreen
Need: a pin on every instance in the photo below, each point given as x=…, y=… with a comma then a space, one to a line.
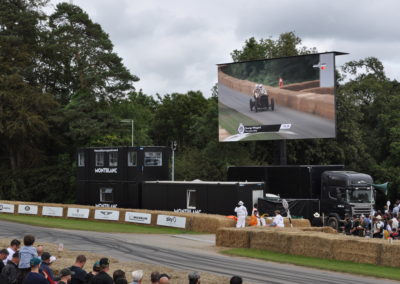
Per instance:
x=359, y=195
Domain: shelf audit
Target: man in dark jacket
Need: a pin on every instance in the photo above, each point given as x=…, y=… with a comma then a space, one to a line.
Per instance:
x=102, y=277
x=11, y=271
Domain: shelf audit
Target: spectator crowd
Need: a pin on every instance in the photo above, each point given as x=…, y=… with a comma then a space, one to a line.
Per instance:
x=378, y=225
x=30, y=264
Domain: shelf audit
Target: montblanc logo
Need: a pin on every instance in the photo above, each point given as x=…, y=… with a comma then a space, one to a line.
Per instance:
x=105, y=171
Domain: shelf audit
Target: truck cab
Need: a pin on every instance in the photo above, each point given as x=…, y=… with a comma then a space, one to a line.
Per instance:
x=345, y=193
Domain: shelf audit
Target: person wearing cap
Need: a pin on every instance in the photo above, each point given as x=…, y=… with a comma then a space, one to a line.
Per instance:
x=137, y=276
x=241, y=212
x=13, y=248
x=10, y=271
x=65, y=276
x=278, y=220
x=316, y=222
x=194, y=278
x=45, y=266
x=95, y=270
x=3, y=256
x=102, y=277
x=34, y=276
x=164, y=279
x=78, y=277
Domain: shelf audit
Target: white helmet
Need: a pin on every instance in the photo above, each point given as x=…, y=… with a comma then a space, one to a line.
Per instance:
x=240, y=203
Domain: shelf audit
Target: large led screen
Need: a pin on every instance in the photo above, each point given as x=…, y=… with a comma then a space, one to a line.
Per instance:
x=282, y=98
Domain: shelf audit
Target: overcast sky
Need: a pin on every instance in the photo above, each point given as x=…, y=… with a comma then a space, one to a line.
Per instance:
x=174, y=45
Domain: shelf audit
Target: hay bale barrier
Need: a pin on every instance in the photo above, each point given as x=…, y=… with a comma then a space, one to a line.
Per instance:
x=197, y=222
x=313, y=242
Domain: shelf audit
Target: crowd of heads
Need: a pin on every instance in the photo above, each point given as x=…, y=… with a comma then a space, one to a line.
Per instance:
x=32, y=264
x=378, y=225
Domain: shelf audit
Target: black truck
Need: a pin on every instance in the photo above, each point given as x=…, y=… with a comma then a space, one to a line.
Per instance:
x=329, y=190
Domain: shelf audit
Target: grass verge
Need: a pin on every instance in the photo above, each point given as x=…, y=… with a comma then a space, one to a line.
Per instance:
x=320, y=263
x=89, y=225
x=230, y=119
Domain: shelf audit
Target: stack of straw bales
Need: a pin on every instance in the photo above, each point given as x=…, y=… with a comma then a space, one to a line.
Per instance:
x=318, y=242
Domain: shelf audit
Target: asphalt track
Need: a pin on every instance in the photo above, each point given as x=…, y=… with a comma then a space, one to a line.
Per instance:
x=179, y=253
x=304, y=125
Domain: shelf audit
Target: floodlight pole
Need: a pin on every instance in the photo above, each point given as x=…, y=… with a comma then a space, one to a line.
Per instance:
x=132, y=124
x=173, y=147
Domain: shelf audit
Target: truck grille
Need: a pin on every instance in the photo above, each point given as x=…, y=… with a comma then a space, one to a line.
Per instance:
x=358, y=210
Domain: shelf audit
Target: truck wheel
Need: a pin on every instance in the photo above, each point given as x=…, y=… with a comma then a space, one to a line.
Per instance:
x=333, y=222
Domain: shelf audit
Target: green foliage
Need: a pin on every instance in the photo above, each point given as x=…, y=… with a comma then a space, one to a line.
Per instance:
x=79, y=56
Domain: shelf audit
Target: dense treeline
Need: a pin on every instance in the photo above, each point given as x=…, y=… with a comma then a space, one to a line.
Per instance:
x=62, y=87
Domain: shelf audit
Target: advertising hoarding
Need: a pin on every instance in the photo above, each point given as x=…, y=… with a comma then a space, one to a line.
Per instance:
x=171, y=221
x=82, y=213
x=7, y=208
x=27, y=209
x=136, y=217
x=112, y=215
x=52, y=211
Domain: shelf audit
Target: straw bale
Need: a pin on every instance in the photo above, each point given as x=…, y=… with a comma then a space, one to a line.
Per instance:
x=389, y=254
x=233, y=237
x=297, y=223
x=310, y=245
x=356, y=250
x=328, y=230
x=271, y=240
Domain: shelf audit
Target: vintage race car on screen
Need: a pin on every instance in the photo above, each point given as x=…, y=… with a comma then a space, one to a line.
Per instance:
x=260, y=100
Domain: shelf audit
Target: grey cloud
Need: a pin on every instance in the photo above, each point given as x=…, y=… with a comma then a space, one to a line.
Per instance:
x=173, y=45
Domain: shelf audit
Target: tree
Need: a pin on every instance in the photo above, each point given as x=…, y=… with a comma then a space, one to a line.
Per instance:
x=24, y=107
x=79, y=57
x=288, y=44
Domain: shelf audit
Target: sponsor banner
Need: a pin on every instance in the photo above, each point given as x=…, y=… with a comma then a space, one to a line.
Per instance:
x=136, y=217
x=78, y=213
x=7, y=208
x=27, y=209
x=105, y=150
x=171, y=221
x=52, y=211
x=106, y=215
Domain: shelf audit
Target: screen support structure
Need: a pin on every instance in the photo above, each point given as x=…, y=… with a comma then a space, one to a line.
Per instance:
x=282, y=152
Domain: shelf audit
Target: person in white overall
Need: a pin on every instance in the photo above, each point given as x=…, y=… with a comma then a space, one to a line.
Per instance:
x=241, y=212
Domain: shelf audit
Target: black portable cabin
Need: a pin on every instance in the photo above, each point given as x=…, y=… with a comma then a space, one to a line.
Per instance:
x=200, y=196
x=114, y=175
x=289, y=181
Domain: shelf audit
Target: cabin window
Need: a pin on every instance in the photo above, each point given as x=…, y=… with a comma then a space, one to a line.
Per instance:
x=81, y=159
x=191, y=199
x=153, y=159
x=113, y=159
x=99, y=159
x=132, y=159
x=106, y=194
